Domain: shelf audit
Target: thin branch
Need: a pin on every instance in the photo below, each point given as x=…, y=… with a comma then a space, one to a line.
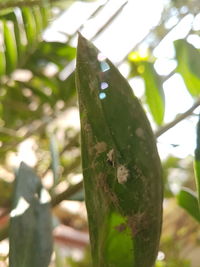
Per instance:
x=110, y=20
x=178, y=119
x=66, y=194
x=95, y=13
x=165, y=33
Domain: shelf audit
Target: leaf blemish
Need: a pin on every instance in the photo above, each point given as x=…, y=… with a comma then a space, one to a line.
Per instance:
x=100, y=147
x=110, y=157
x=121, y=227
x=122, y=174
x=139, y=132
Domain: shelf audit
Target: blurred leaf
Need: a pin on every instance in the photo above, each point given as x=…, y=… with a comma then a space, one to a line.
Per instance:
x=188, y=200
x=30, y=25
x=10, y=48
x=55, y=162
x=18, y=30
x=188, y=58
x=55, y=52
x=20, y=36
x=79, y=196
x=2, y=63
x=197, y=161
x=21, y=33
x=59, y=51
x=40, y=80
x=30, y=227
x=9, y=4
x=37, y=91
x=68, y=88
x=38, y=19
x=19, y=110
x=154, y=92
x=6, y=189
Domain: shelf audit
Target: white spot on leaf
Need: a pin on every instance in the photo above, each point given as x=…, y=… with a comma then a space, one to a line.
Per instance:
x=122, y=174
x=110, y=156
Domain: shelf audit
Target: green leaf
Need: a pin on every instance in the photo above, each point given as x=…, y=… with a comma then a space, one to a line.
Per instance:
x=20, y=36
x=197, y=161
x=2, y=62
x=55, y=52
x=37, y=92
x=68, y=88
x=10, y=4
x=38, y=19
x=18, y=30
x=121, y=167
x=30, y=226
x=46, y=14
x=19, y=106
x=188, y=200
x=29, y=24
x=55, y=163
x=10, y=47
x=188, y=58
x=154, y=92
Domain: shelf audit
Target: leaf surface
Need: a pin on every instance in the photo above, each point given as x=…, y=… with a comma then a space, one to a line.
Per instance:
x=197, y=161
x=121, y=167
x=188, y=58
x=188, y=200
x=154, y=92
x=30, y=227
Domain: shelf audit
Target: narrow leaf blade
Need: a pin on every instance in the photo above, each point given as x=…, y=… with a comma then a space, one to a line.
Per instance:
x=154, y=92
x=188, y=58
x=10, y=48
x=29, y=24
x=188, y=200
x=30, y=227
x=55, y=163
x=121, y=167
x=197, y=161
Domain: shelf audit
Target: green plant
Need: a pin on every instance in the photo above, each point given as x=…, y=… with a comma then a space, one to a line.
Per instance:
x=32, y=99
x=121, y=167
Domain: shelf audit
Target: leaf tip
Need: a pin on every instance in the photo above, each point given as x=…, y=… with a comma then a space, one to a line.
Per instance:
x=82, y=41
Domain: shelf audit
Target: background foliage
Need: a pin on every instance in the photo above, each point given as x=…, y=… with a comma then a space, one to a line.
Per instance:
x=37, y=106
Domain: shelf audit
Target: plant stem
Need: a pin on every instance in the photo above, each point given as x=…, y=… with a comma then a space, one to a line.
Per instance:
x=178, y=119
x=110, y=20
x=66, y=194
